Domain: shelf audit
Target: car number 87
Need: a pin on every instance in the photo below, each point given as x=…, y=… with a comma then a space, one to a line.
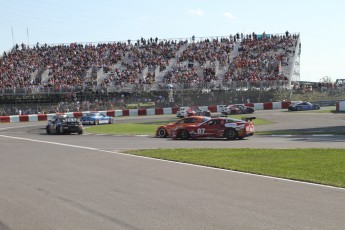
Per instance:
x=201, y=131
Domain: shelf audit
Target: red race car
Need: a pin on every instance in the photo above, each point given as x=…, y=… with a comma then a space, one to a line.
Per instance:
x=192, y=111
x=236, y=109
x=166, y=130
x=220, y=127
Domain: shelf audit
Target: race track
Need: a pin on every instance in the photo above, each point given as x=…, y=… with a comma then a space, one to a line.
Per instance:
x=84, y=182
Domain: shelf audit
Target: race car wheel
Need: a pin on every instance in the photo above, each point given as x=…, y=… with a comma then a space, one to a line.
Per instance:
x=250, y=111
x=58, y=131
x=80, y=132
x=184, y=135
x=230, y=134
x=162, y=133
x=48, y=130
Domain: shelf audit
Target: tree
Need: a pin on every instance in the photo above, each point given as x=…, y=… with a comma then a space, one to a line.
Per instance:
x=326, y=79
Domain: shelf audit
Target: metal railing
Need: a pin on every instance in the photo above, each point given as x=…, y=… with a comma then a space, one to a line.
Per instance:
x=131, y=88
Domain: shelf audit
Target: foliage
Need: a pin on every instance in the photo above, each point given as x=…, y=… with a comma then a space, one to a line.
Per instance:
x=323, y=166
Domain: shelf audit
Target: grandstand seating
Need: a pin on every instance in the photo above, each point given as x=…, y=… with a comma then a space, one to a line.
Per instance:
x=120, y=66
x=82, y=73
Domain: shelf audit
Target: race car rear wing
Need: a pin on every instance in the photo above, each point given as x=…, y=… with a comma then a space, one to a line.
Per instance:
x=248, y=118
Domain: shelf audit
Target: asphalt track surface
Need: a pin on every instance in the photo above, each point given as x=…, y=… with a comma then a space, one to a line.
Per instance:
x=85, y=182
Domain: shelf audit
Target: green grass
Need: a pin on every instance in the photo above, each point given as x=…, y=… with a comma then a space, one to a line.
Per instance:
x=123, y=129
x=144, y=128
x=322, y=166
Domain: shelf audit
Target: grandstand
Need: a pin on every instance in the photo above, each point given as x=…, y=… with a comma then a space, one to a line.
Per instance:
x=79, y=72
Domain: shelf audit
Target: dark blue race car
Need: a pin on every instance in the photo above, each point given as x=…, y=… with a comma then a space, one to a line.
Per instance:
x=303, y=106
x=61, y=124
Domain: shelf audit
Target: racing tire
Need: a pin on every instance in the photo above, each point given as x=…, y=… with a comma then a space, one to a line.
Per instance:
x=58, y=131
x=48, y=130
x=230, y=134
x=250, y=111
x=184, y=134
x=162, y=133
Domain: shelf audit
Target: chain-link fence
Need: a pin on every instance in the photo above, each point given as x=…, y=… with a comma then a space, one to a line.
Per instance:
x=51, y=100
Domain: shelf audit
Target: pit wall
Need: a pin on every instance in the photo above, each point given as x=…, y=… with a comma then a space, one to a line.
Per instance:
x=148, y=112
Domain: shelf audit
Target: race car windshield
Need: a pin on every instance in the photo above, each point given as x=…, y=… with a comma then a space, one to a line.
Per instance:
x=92, y=114
x=206, y=119
x=233, y=120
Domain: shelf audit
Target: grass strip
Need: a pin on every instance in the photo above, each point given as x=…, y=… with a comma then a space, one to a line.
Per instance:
x=321, y=166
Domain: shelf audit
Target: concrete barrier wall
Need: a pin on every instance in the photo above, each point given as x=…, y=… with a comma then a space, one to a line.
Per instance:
x=149, y=112
x=340, y=106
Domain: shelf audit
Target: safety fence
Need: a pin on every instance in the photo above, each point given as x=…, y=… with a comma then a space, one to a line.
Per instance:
x=144, y=112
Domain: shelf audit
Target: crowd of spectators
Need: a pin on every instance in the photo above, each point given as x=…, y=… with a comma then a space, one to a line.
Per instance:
x=150, y=55
x=71, y=103
x=67, y=70
x=208, y=50
x=196, y=64
x=125, y=63
x=260, y=58
x=309, y=87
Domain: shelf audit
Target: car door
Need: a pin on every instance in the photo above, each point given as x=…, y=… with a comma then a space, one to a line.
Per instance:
x=53, y=126
x=310, y=106
x=210, y=128
x=173, y=126
x=102, y=118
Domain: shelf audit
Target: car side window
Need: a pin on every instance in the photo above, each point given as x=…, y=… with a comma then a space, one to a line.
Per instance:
x=217, y=122
x=192, y=120
x=214, y=122
x=187, y=120
x=205, y=119
x=180, y=122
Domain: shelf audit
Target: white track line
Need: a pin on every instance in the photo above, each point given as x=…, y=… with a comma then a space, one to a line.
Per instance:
x=173, y=162
x=15, y=127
